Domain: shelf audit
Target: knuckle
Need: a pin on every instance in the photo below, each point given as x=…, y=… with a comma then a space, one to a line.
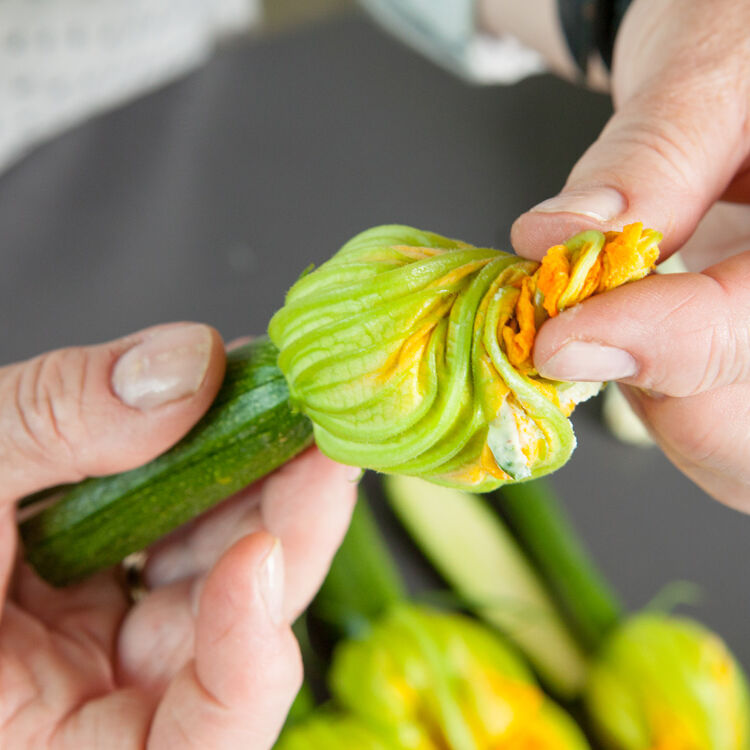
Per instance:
x=723, y=362
x=703, y=343
x=728, y=341
x=47, y=407
x=719, y=363
x=674, y=146
x=728, y=352
x=698, y=444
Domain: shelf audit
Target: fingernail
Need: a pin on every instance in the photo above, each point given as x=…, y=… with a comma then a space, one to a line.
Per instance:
x=166, y=366
x=271, y=583
x=600, y=204
x=584, y=360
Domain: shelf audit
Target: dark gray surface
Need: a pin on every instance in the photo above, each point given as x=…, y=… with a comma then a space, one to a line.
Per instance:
x=205, y=200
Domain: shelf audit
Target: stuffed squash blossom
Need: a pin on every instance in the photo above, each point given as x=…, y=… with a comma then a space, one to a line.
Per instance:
x=412, y=353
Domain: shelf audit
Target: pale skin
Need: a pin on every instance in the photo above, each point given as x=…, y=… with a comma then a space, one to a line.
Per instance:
x=675, y=155
x=207, y=657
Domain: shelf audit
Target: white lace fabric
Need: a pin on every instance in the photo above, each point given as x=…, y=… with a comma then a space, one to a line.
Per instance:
x=62, y=61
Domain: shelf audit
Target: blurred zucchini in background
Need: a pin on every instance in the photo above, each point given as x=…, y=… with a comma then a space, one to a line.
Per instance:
x=410, y=677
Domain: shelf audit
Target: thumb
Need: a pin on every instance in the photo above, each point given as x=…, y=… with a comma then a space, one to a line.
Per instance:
x=97, y=410
x=671, y=149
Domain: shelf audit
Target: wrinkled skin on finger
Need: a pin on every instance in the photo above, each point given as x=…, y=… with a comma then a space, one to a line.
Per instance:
x=200, y=661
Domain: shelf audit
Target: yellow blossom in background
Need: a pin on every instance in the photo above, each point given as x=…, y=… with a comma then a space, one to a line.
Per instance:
x=448, y=681
x=668, y=683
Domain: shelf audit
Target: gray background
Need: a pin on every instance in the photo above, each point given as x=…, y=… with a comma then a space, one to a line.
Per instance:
x=205, y=200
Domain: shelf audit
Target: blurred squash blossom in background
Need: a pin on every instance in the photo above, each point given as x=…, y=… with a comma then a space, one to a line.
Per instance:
x=412, y=353
x=429, y=681
x=667, y=683
x=408, y=676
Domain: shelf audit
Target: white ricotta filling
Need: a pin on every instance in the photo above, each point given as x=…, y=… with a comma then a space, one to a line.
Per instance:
x=572, y=394
x=509, y=434
x=513, y=437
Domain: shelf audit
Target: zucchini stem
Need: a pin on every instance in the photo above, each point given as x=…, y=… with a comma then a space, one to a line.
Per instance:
x=544, y=531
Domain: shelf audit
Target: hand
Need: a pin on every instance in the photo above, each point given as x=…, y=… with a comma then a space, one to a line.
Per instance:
x=678, y=142
x=206, y=658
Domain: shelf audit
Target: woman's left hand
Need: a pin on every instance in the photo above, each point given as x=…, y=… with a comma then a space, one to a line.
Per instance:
x=206, y=658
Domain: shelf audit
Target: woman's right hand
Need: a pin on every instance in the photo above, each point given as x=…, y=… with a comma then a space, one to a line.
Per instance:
x=673, y=155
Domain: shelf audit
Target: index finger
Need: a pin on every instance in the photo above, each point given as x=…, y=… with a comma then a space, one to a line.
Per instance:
x=677, y=334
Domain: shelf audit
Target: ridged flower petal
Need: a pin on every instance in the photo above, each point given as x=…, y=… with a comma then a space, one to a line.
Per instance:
x=411, y=352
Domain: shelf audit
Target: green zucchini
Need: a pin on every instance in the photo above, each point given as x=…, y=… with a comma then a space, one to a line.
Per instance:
x=250, y=430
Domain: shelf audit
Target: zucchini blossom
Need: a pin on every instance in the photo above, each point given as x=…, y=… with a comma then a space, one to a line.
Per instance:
x=412, y=353
x=666, y=683
x=437, y=681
